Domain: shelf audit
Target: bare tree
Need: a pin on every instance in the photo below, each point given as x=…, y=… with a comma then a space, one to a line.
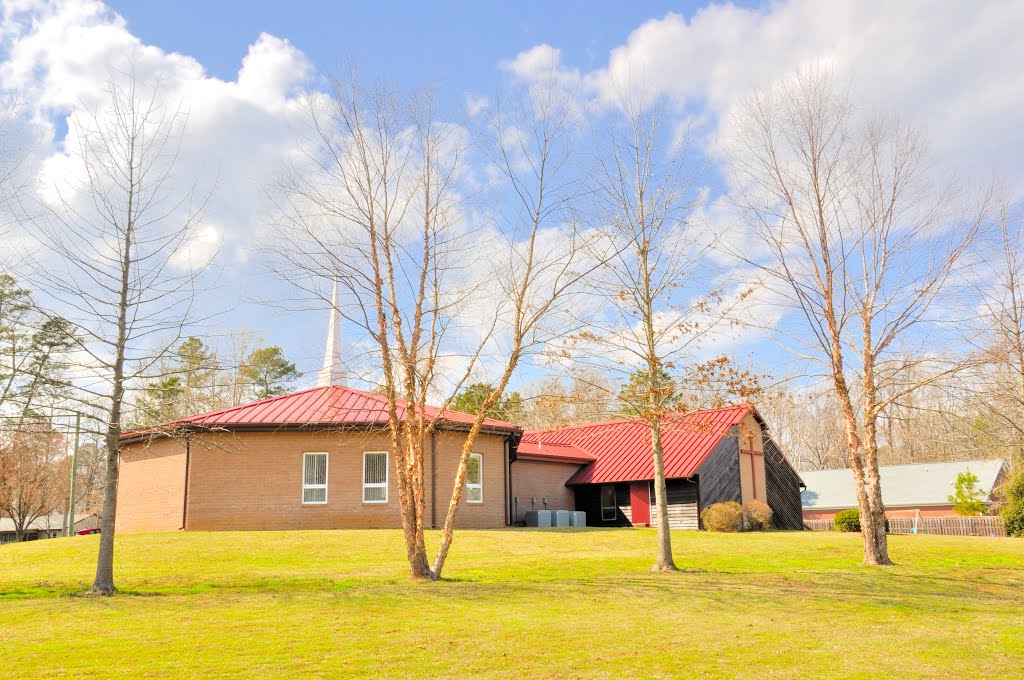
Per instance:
x=382, y=211
x=804, y=427
x=118, y=260
x=852, y=231
x=657, y=308
x=581, y=396
x=1000, y=288
x=33, y=475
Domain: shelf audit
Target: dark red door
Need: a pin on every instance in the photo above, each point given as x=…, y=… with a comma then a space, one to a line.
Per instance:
x=640, y=502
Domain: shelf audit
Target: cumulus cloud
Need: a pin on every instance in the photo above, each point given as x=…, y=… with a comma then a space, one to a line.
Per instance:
x=954, y=66
x=58, y=58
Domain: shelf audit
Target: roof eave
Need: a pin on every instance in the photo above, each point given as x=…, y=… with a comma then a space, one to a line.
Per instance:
x=185, y=429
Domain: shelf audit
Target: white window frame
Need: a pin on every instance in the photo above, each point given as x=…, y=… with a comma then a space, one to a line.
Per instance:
x=475, y=486
x=614, y=507
x=387, y=477
x=327, y=476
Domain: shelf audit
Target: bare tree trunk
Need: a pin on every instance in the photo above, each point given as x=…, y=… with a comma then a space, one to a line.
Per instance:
x=664, y=561
x=103, y=584
x=876, y=542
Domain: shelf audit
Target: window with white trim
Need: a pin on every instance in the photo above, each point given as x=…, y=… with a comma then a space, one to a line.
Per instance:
x=375, y=476
x=314, y=478
x=609, y=510
x=475, y=478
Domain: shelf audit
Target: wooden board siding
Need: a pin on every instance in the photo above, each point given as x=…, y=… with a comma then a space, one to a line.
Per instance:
x=683, y=511
x=719, y=474
x=783, y=485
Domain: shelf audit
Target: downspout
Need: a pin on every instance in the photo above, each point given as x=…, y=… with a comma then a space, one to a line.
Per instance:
x=188, y=461
x=508, y=483
x=433, y=479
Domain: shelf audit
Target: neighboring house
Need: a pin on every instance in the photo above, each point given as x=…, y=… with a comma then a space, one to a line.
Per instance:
x=710, y=456
x=90, y=522
x=319, y=459
x=920, y=490
x=48, y=526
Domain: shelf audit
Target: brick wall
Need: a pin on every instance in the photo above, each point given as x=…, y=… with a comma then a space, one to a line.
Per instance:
x=253, y=480
x=151, y=487
x=543, y=480
x=891, y=513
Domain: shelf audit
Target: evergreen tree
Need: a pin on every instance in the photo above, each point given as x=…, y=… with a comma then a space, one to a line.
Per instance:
x=267, y=372
x=967, y=498
x=509, y=407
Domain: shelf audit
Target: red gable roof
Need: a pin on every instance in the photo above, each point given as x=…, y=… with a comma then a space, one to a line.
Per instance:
x=319, y=406
x=621, y=449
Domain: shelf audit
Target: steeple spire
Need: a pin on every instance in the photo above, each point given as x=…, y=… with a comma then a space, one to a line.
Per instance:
x=332, y=373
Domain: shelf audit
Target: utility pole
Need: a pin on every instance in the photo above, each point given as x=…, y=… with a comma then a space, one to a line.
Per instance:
x=70, y=529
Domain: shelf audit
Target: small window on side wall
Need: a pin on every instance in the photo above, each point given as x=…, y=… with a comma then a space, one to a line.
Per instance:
x=609, y=511
x=314, y=478
x=475, y=479
x=375, y=477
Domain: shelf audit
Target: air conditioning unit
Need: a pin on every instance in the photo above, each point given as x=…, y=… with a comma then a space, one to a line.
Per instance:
x=538, y=518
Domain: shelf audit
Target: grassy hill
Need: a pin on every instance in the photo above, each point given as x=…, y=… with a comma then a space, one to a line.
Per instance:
x=541, y=604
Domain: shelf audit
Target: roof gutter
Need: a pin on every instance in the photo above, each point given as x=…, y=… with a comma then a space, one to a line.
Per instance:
x=149, y=435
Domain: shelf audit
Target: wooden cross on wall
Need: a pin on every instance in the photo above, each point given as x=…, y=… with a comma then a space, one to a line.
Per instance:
x=753, y=453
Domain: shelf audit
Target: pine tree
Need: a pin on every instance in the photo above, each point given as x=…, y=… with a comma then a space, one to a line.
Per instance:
x=967, y=499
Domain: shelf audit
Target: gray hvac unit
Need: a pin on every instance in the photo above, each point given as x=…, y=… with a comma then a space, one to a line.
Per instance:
x=538, y=518
x=561, y=518
x=577, y=518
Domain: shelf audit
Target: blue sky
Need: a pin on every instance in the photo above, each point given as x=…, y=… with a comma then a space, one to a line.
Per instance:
x=455, y=43
x=954, y=67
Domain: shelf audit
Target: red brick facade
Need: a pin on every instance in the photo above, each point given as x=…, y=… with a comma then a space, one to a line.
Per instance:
x=253, y=480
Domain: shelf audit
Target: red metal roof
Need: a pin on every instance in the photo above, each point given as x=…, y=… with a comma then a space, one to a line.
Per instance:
x=333, y=405
x=621, y=449
x=552, y=451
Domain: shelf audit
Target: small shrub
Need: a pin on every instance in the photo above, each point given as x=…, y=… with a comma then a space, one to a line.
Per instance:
x=1013, y=511
x=726, y=517
x=757, y=515
x=848, y=520
x=1014, y=517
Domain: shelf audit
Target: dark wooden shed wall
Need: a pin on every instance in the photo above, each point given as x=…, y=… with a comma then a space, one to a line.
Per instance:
x=683, y=511
x=783, y=488
x=719, y=474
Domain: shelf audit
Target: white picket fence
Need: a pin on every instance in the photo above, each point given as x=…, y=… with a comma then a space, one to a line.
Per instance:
x=944, y=526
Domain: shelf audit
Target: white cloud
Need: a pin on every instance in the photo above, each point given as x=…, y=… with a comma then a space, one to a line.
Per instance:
x=475, y=105
x=59, y=56
x=953, y=65
x=200, y=249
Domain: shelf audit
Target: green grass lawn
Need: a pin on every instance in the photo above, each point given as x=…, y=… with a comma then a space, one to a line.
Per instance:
x=518, y=603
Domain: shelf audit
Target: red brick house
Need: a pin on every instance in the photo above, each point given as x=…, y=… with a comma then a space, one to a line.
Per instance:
x=908, y=491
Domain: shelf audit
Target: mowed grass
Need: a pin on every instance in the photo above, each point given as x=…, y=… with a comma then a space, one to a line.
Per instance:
x=517, y=603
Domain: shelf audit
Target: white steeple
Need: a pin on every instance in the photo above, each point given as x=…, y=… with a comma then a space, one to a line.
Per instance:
x=332, y=373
